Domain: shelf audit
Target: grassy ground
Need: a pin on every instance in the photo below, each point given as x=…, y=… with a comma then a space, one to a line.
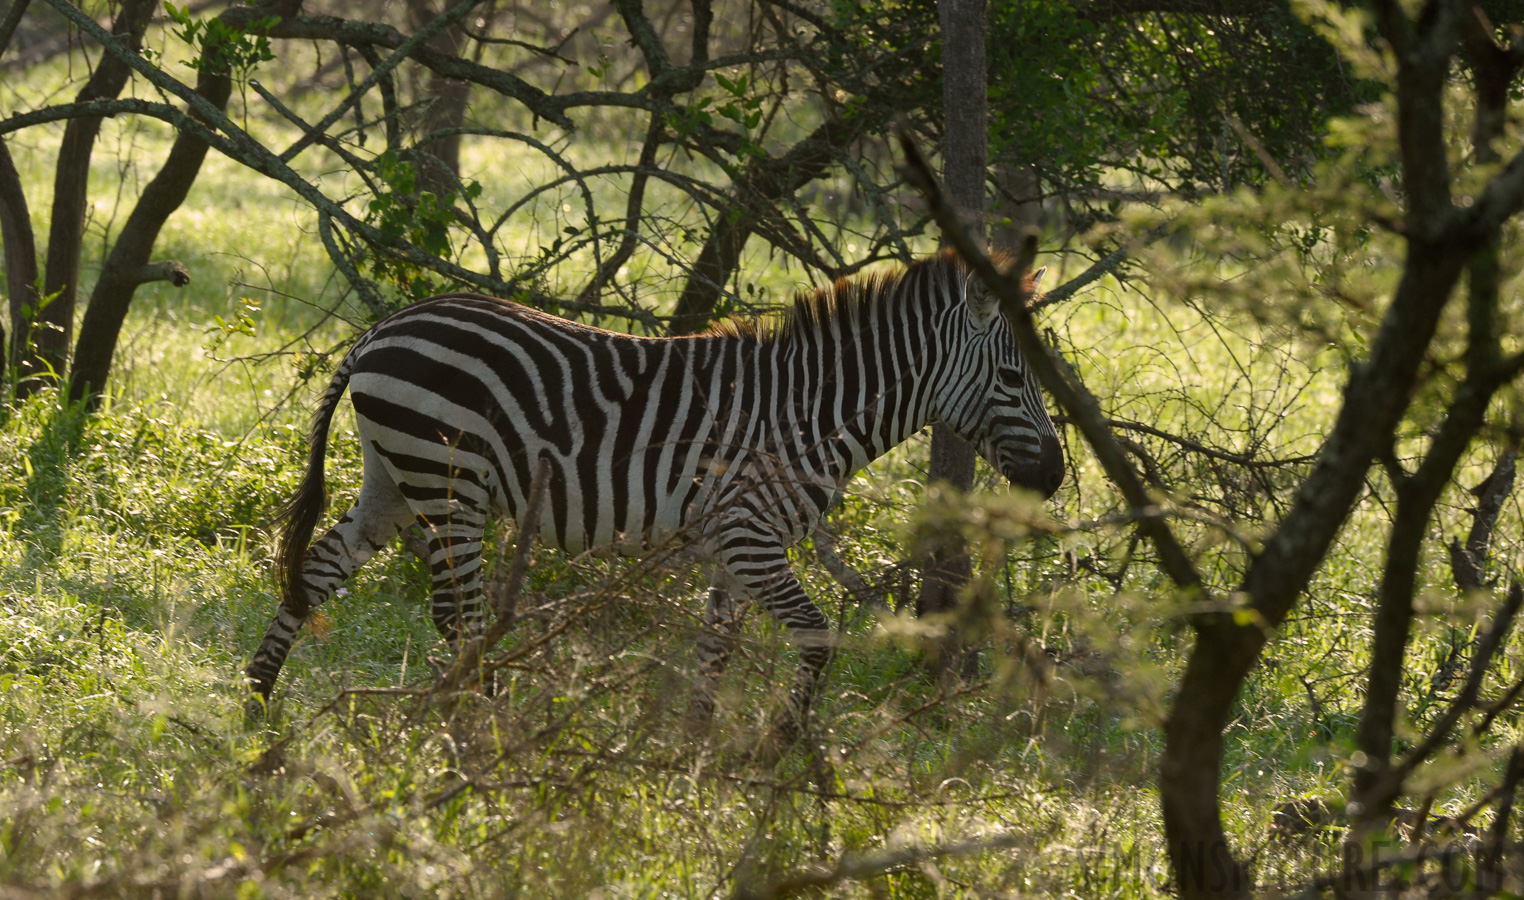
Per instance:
x=134, y=583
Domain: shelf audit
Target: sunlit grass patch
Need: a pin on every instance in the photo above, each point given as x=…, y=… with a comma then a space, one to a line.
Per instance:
x=135, y=550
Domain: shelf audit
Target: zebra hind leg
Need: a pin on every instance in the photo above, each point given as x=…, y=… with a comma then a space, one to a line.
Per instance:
x=760, y=564
x=366, y=528
x=455, y=570
x=722, y=623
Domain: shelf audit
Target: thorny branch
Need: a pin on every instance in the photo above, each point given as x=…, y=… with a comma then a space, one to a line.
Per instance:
x=1240, y=459
x=504, y=597
x=1072, y=397
x=850, y=868
x=1468, y=561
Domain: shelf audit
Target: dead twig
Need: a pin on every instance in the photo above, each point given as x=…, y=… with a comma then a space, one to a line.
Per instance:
x=1072, y=397
x=505, y=596
x=867, y=865
x=1468, y=561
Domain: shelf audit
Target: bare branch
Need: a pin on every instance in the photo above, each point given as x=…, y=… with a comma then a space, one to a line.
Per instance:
x=845, y=575
x=236, y=144
x=549, y=52
x=644, y=36
x=849, y=868
x=378, y=73
x=1239, y=459
x=634, y=206
x=1110, y=264
x=357, y=34
x=1486, y=649
x=12, y=18
x=95, y=108
x=1074, y=399
x=170, y=270
x=505, y=594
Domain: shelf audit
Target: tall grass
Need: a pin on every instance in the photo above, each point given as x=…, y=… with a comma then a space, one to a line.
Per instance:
x=134, y=583
x=134, y=569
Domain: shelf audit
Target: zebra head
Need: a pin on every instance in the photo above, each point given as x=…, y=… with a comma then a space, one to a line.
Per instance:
x=993, y=400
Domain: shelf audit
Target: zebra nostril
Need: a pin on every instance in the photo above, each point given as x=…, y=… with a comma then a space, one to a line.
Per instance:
x=1042, y=472
x=1052, y=465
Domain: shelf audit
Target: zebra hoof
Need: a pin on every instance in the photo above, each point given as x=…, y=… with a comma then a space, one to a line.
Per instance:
x=698, y=719
x=256, y=709
x=783, y=735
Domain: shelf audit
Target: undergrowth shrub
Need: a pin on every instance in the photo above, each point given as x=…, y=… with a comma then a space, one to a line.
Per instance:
x=134, y=580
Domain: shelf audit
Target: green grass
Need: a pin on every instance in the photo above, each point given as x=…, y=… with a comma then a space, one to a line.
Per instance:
x=134, y=583
x=134, y=571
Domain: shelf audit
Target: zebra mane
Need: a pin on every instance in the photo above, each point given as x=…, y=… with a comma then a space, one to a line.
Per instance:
x=846, y=302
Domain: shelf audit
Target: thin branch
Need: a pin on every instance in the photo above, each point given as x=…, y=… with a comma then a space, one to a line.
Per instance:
x=378, y=73
x=1074, y=399
x=464, y=670
x=506, y=595
x=845, y=575
x=850, y=868
x=1110, y=264
x=342, y=260
x=95, y=108
x=357, y=34
x=552, y=52
x=634, y=207
x=1238, y=459
x=170, y=270
x=1466, y=699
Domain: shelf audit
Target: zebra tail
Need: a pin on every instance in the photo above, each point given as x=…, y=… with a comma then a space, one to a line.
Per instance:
x=298, y=516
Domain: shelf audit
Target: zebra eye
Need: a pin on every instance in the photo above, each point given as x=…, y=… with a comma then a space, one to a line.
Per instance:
x=1013, y=379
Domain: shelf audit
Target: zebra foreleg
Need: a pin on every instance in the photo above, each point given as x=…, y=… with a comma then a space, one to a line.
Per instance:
x=331, y=559
x=763, y=569
x=722, y=623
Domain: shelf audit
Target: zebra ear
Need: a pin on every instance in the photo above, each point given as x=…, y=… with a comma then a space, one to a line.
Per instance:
x=983, y=306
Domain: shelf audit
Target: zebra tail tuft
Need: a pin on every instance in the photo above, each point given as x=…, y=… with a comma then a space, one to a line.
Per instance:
x=298, y=516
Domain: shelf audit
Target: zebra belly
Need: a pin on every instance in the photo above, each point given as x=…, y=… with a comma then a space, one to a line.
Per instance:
x=464, y=460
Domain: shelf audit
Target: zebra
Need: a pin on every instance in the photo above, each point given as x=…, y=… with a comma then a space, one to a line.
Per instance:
x=735, y=441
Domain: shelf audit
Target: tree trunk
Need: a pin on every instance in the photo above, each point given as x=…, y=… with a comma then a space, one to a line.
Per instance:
x=119, y=279
x=1225, y=650
x=964, y=151
x=719, y=257
x=1374, y=402
x=9, y=20
x=124, y=268
x=439, y=167
x=16, y=234
x=20, y=243
x=1018, y=203
x=43, y=336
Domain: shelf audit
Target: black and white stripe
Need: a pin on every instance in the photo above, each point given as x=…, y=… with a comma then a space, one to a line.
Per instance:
x=735, y=440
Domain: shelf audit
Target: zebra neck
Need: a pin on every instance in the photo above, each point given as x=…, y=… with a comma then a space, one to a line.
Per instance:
x=866, y=391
